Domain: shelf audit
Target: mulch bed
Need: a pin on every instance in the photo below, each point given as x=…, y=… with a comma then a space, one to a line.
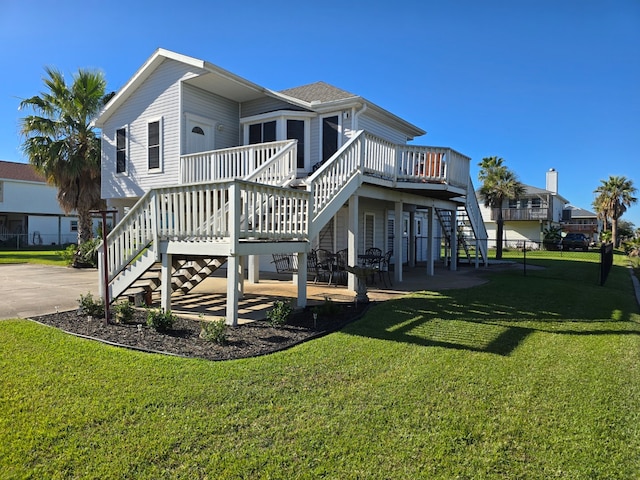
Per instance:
x=247, y=340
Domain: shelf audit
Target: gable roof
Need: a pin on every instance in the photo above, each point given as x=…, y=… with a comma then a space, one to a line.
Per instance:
x=531, y=191
x=318, y=97
x=19, y=171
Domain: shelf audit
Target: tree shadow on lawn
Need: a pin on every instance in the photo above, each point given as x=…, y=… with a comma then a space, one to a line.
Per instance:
x=458, y=320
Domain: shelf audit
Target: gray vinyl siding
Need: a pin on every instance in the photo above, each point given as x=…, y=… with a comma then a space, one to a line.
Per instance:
x=222, y=111
x=157, y=98
x=371, y=125
x=265, y=105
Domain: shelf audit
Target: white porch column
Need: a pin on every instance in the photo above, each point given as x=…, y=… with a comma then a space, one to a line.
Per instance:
x=234, y=265
x=431, y=242
x=302, y=279
x=398, y=242
x=411, y=254
x=165, y=282
x=254, y=268
x=352, y=240
x=454, y=241
x=234, y=274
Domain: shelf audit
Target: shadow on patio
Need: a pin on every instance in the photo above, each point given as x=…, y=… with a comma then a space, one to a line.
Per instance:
x=209, y=298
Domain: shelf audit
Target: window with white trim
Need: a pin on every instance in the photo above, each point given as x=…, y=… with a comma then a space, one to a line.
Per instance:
x=154, y=145
x=262, y=132
x=73, y=224
x=121, y=150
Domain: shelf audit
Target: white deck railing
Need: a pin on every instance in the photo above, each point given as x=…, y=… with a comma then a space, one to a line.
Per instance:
x=208, y=212
x=380, y=158
x=230, y=163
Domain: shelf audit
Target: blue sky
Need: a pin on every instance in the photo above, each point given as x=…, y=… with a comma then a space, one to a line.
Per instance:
x=541, y=83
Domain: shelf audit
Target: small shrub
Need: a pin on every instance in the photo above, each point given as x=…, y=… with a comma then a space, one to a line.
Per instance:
x=280, y=312
x=123, y=312
x=68, y=254
x=160, y=320
x=86, y=255
x=214, y=331
x=90, y=306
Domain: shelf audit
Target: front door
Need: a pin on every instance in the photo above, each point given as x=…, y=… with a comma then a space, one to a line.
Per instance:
x=199, y=134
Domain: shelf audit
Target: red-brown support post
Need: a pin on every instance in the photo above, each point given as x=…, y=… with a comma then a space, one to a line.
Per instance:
x=105, y=263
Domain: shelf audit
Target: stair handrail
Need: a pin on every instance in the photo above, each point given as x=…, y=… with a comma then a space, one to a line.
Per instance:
x=334, y=173
x=475, y=219
x=136, y=231
x=280, y=169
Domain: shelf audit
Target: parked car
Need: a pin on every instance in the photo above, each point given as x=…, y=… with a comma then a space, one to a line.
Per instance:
x=575, y=241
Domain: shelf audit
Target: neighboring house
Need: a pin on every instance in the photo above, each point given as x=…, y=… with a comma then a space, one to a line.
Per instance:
x=579, y=220
x=213, y=170
x=29, y=209
x=526, y=219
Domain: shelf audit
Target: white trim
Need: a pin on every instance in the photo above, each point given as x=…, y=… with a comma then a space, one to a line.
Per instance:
x=340, y=131
x=160, y=121
x=289, y=114
x=127, y=154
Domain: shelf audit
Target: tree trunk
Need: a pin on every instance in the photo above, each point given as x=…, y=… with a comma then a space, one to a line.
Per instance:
x=614, y=232
x=85, y=226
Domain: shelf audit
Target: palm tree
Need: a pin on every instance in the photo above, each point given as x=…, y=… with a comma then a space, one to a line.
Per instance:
x=614, y=196
x=61, y=144
x=498, y=184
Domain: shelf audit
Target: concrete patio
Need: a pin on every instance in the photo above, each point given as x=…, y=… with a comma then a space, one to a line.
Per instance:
x=209, y=298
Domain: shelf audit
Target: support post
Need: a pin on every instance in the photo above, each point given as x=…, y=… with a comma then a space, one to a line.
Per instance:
x=165, y=282
x=398, y=242
x=431, y=248
x=302, y=279
x=352, y=240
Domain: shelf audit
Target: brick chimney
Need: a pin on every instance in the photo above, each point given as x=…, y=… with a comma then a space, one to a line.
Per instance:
x=552, y=180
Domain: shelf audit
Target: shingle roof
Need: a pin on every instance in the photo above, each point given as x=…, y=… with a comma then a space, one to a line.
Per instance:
x=19, y=171
x=577, y=212
x=318, y=91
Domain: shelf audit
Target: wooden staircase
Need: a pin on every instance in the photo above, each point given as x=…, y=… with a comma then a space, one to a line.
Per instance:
x=186, y=273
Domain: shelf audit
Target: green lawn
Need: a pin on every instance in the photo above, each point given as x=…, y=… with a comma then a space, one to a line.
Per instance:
x=523, y=377
x=45, y=257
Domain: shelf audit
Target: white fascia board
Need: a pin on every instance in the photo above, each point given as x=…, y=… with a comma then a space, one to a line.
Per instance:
x=277, y=114
x=140, y=76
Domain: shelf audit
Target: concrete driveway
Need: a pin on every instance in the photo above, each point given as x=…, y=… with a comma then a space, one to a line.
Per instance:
x=28, y=290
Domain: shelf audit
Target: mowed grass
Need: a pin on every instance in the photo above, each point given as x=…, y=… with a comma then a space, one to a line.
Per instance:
x=44, y=257
x=523, y=377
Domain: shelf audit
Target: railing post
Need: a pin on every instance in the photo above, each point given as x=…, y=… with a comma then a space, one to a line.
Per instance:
x=154, y=214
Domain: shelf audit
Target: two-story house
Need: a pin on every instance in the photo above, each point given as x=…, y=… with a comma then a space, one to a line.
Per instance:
x=579, y=220
x=526, y=218
x=209, y=169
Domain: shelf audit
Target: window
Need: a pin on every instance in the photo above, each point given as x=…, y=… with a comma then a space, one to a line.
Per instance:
x=153, y=145
x=74, y=225
x=121, y=150
x=262, y=132
x=536, y=203
x=330, y=127
x=295, y=131
x=513, y=203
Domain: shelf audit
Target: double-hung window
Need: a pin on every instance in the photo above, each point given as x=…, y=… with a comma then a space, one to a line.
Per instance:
x=121, y=150
x=154, y=145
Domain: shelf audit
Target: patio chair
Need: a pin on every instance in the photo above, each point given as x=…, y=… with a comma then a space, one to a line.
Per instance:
x=373, y=258
x=325, y=263
x=340, y=265
x=385, y=264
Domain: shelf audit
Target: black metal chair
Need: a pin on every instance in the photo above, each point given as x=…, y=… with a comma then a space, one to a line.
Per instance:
x=385, y=267
x=325, y=263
